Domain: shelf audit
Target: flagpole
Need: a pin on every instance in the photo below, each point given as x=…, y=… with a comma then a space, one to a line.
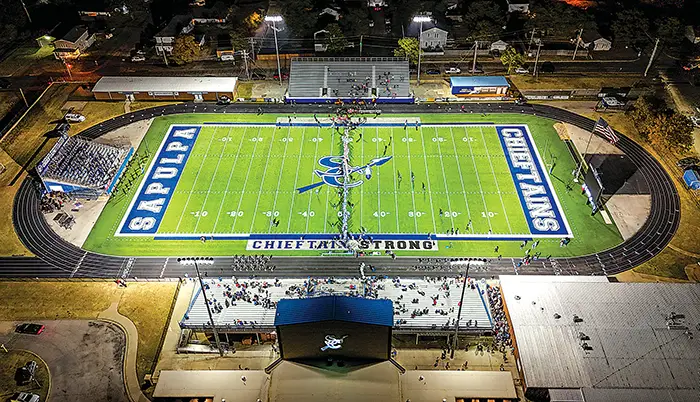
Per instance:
x=583, y=158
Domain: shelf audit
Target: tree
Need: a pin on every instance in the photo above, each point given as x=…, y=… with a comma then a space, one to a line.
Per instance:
x=671, y=130
x=408, y=47
x=185, y=50
x=630, y=27
x=558, y=19
x=670, y=30
x=355, y=22
x=253, y=21
x=239, y=38
x=298, y=16
x=486, y=20
x=512, y=59
x=335, y=40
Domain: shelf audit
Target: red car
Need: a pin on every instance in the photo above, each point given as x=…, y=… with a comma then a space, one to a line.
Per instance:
x=32, y=329
x=284, y=76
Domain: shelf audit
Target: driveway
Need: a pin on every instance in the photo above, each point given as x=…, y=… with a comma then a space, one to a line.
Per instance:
x=84, y=358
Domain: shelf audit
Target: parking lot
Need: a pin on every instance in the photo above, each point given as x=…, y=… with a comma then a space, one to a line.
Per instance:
x=84, y=358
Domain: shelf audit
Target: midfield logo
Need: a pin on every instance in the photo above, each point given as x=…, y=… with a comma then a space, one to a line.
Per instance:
x=334, y=177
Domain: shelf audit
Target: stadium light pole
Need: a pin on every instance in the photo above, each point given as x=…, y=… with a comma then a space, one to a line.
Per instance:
x=461, y=300
x=193, y=261
x=275, y=19
x=420, y=19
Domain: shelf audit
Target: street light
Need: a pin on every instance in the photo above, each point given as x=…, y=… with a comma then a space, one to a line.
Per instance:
x=420, y=19
x=204, y=260
x=461, y=299
x=275, y=19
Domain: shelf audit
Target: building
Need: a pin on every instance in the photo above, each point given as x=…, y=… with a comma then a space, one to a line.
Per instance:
x=330, y=11
x=74, y=43
x=479, y=87
x=498, y=46
x=433, y=38
x=376, y=3
x=165, y=38
x=592, y=41
x=164, y=88
x=518, y=6
x=692, y=33
x=587, y=339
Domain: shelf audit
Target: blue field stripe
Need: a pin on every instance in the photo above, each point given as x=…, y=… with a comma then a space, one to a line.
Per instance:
x=483, y=302
x=332, y=236
x=119, y=172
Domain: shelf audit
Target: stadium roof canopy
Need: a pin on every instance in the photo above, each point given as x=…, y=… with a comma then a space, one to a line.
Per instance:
x=335, y=308
x=165, y=84
x=626, y=335
x=485, y=81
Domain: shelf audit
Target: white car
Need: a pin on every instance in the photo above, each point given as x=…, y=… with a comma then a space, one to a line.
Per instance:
x=74, y=118
x=226, y=57
x=695, y=120
x=138, y=58
x=453, y=70
x=522, y=70
x=26, y=397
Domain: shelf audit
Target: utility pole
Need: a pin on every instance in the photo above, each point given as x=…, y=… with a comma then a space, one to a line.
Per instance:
x=476, y=48
x=165, y=58
x=26, y=11
x=651, y=59
x=459, y=314
x=537, y=59
x=23, y=98
x=532, y=36
x=360, y=45
x=420, y=37
x=252, y=48
x=578, y=40
x=185, y=261
x=245, y=60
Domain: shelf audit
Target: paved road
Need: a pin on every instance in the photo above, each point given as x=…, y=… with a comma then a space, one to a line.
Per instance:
x=84, y=358
x=58, y=258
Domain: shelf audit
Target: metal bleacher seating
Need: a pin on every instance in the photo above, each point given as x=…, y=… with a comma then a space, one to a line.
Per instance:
x=245, y=311
x=351, y=77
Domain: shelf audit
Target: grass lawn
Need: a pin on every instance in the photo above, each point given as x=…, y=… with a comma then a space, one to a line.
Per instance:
x=244, y=90
x=9, y=363
x=147, y=305
x=24, y=57
x=527, y=81
x=465, y=174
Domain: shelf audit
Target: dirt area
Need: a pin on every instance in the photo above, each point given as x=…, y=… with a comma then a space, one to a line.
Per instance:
x=629, y=212
x=432, y=88
x=10, y=362
x=569, y=82
x=244, y=90
x=268, y=89
x=85, y=358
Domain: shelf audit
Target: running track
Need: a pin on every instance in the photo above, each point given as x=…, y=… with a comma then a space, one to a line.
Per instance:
x=57, y=258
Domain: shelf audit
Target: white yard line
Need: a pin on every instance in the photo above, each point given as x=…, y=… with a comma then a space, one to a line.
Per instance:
x=279, y=179
x=296, y=177
x=379, y=194
x=228, y=184
x=362, y=188
x=461, y=179
x=189, y=196
x=328, y=192
x=444, y=180
x=410, y=169
x=245, y=184
x=498, y=188
x=478, y=180
x=427, y=179
x=213, y=178
x=262, y=180
x=396, y=189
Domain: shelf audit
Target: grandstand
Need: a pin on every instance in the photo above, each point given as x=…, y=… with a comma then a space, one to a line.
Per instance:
x=369, y=79
x=82, y=168
x=252, y=304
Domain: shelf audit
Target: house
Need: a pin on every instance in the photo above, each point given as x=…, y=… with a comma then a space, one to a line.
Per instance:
x=376, y=3
x=592, y=41
x=329, y=11
x=518, y=6
x=693, y=34
x=433, y=38
x=320, y=44
x=499, y=46
x=74, y=43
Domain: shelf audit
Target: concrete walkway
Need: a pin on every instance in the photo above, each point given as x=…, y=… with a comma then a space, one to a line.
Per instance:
x=131, y=380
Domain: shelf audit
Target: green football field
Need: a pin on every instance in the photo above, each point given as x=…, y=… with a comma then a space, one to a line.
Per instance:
x=242, y=180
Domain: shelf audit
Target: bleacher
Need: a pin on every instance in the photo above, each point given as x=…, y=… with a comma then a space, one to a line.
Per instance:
x=320, y=79
x=242, y=315
x=76, y=165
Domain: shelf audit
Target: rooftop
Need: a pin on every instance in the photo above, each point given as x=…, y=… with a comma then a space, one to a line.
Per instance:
x=165, y=84
x=75, y=33
x=626, y=336
x=482, y=81
x=174, y=26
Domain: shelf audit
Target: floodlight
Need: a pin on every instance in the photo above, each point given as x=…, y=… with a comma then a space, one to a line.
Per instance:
x=273, y=18
x=422, y=18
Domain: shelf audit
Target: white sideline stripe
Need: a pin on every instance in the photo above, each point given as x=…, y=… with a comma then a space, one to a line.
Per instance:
x=478, y=180
x=495, y=179
x=444, y=179
x=606, y=217
x=196, y=177
x=296, y=177
x=245, y=183
x=262, y=181
x=461, y=179
x=410, y=169
x=228, y=184
x=213, y=179
x=427, y=179
x=279, y=179
x=379, y=194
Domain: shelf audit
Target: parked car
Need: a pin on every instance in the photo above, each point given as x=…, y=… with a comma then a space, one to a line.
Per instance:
x=686, y=163
x=476, y=70
x=226, y=57
x=284, y=76
x=547, y=67
x=25, y=373
x=25, y=397
x=522, y=70
x=695, y=120
x=74, y=118
x=433, y=71
x=32, y=329
x=137, y=58
x=223, y=100
x=453, y=70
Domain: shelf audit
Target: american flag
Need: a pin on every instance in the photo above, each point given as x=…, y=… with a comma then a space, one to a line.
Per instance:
x=601, y=127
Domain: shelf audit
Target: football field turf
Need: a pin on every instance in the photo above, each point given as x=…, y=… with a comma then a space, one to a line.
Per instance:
x=447, y=179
